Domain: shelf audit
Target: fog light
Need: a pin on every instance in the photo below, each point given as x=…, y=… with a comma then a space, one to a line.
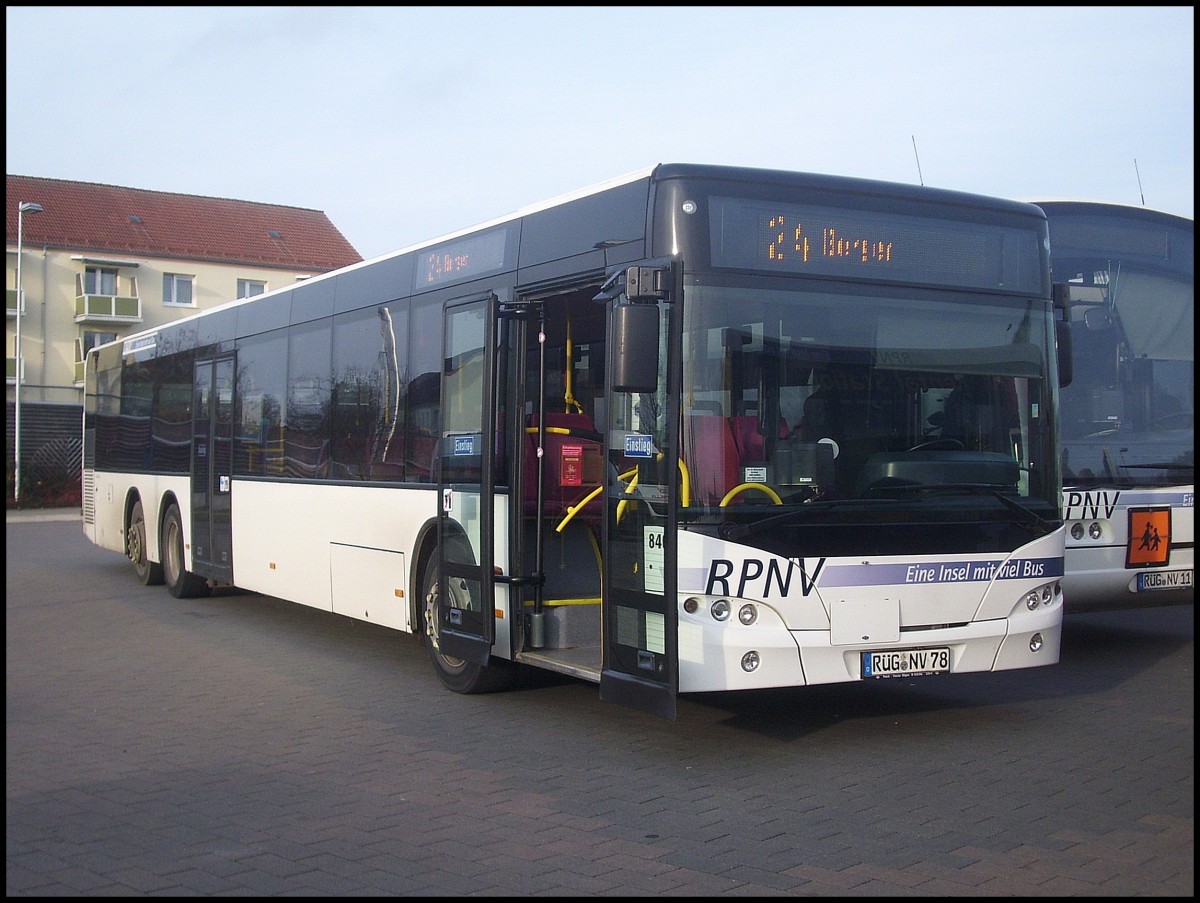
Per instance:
x=690, y=604
x=1077, y=530
x=720, y=609
x=1035, y=642
x=747, y=614
x=1094, y=530
x=750, y=661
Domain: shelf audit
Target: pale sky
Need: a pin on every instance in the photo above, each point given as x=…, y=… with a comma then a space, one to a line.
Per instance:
x=404, y=124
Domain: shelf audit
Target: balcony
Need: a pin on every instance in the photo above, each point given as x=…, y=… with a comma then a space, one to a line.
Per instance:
x=11, y=304
x=108, y=309
x=117, y=307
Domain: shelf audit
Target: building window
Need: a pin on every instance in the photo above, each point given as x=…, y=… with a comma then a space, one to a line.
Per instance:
x=177, y=290
x=99, y=281
x=92, y=339
x=248, y=288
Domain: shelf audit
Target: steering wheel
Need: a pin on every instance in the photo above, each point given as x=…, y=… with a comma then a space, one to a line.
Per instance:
x=939, y=443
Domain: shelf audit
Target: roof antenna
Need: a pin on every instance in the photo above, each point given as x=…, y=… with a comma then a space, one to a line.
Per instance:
x=1139, y=175
x=918, y=156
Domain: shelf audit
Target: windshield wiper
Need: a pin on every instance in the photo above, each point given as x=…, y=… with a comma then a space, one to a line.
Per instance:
x=730, y=530
x=1036, y=523
x=1165, y=465
x=1031, y=520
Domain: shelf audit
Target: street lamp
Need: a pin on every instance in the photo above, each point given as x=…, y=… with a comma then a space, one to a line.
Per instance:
x=22, y=208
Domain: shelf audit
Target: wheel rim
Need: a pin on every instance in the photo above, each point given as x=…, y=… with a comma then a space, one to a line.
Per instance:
x=431, y=631
x=171, y=554
x=137, y=543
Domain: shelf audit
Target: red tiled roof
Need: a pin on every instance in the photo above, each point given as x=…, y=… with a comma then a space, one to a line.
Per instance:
x=109, y=219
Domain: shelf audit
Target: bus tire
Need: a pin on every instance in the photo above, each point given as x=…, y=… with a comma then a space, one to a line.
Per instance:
x=181, y=583
x=455, y=673
x=149, y=573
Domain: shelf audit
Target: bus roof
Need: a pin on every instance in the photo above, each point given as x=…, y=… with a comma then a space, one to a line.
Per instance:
x=660, y=172
x=1079, y=205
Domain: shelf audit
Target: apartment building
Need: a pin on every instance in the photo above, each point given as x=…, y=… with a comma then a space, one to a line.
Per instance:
x=99, y=262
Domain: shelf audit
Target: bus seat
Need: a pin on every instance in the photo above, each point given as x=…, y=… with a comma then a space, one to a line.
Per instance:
x=580, y=425
x=712, y=458
x=573, y=465
x=749, y=440
x=840, y=412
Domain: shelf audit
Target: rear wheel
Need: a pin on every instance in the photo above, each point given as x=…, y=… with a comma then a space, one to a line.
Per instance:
x=149, y=573
x=181, y=583
x=457, y=674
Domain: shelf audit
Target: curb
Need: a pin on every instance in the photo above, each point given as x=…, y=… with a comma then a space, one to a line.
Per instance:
x=38, y=515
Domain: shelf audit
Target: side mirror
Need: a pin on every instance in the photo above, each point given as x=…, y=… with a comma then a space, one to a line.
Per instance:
x=635, y=348
x=1066, y=361
x=1060, y=294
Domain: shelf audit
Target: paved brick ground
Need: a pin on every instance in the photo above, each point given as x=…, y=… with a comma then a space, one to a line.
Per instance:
x=239, y=745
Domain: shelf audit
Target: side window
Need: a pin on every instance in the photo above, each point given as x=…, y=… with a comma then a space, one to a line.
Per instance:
x=177, y=290
x=422, y=397
x=248, y=288
x=171, y=426
x=306, y=443
x=370, y=370
x=262, y=394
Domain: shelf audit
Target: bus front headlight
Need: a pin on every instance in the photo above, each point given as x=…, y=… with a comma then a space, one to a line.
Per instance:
x=1046, y=594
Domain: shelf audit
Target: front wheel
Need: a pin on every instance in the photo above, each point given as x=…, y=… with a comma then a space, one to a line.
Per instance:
x=181, y=583
x=149, y=573
x=457, y=674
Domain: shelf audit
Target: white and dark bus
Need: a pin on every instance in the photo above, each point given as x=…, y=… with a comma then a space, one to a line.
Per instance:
x=700, y=428
x=1128, y=416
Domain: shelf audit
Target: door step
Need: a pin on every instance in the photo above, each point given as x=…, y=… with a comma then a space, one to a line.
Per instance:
x=583, y=662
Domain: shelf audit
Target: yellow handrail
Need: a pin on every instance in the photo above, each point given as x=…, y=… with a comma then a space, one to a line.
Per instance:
x=572, y=510
x=633, y=474
x=761, y=487
x=569, y=378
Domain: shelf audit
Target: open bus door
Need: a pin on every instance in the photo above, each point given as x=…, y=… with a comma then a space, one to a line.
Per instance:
x=465, y=611
x=640, y=621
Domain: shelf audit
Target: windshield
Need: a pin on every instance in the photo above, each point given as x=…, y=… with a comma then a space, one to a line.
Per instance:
x=822, y=399
x=1127, y=417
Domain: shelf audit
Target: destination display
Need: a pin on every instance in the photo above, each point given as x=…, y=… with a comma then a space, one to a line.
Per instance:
x=467, y=258
x=825, y=241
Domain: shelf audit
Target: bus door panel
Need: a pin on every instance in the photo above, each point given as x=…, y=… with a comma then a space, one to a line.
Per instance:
x=466, y=482
x=640, y=622
x=212, y=467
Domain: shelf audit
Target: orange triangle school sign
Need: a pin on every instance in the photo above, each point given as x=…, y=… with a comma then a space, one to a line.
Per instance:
x=1149, y=538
